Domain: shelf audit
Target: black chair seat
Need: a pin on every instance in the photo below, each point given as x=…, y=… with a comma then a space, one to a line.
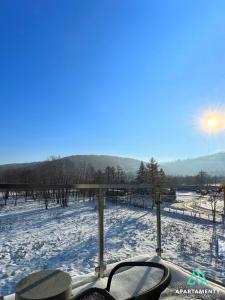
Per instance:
x=95, y=294
x=152, y=293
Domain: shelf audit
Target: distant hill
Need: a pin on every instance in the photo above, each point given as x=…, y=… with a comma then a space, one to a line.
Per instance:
x=16, y=166
x=99, y=162
x=212, y=164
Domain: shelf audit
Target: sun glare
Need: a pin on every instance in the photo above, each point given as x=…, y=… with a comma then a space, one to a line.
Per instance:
x=212, y=122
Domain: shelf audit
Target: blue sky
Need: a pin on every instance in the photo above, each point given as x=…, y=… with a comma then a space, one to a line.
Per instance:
x=127, y=78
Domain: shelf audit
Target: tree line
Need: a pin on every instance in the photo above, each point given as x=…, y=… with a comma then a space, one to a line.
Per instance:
x=56, y=170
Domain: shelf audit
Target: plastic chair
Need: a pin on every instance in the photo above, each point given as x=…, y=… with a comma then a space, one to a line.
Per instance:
x=150, y=294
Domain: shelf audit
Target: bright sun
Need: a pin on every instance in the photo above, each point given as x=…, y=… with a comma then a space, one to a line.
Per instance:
x=211, y=122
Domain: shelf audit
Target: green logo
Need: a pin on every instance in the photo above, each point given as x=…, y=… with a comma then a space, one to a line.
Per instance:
x=197, y=277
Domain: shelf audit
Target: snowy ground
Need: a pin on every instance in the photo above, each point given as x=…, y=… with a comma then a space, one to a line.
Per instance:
x=32, y=238
x=190, y=203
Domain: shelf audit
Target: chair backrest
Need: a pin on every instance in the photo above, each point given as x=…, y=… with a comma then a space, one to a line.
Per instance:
x=152, y=293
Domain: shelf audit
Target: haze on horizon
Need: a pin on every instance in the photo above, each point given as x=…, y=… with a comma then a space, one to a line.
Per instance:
x=121, y=78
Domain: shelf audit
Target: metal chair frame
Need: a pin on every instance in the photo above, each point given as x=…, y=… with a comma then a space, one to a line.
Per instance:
x=152, y=293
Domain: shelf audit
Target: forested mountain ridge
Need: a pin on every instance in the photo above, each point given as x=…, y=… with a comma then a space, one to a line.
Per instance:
x=213, y=164
x=99, y=162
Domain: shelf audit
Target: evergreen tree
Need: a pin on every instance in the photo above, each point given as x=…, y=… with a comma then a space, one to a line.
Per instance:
x=152, y=171
x=141, y=173
x=162, y=176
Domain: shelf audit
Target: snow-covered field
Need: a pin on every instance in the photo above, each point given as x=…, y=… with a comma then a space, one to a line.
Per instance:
x=32, y=238
x=191, y=203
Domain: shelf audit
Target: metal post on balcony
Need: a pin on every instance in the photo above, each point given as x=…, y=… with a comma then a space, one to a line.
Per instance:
x=158, y=216
x=101, y=267
x=223, y=215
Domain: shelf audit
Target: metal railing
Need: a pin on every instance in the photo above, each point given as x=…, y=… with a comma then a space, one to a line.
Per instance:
x=100, y=189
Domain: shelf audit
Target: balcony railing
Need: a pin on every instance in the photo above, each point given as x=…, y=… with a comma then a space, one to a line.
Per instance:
x=99, y=190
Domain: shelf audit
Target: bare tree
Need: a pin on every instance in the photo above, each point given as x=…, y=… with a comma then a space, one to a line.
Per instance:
x=213, y=201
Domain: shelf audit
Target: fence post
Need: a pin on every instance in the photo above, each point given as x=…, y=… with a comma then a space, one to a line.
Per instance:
x=224, y=200
x=158, y=215
x=101, y=267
